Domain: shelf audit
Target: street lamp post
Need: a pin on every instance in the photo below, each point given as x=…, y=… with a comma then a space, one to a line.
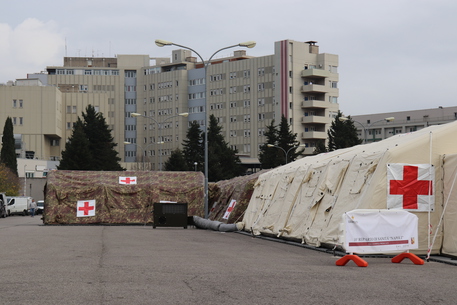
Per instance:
x=286, y=153
x=248, y=44
x=389, y=119
x=159, y=127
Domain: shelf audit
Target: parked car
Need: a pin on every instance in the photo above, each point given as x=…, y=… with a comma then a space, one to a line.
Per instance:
x=39, y=207
x=3, y=203
x=19, y=205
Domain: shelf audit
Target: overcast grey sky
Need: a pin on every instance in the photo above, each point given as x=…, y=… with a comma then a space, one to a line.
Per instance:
x=394, y=55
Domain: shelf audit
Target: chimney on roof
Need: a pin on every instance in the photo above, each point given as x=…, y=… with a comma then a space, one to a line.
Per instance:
x=313, y=48
x=239, y=53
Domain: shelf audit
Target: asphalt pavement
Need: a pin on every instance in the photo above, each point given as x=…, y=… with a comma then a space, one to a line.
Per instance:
x=140, y=265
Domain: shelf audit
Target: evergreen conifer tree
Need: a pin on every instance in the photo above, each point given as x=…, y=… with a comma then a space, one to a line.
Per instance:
x=8, y=151
x=193, y=148
x=342, y=134
x=77, y=155
x=223, y=163
x=101, y=145
x=269, y=156
x=320, y=147
x=287, y=141
x=176, y=161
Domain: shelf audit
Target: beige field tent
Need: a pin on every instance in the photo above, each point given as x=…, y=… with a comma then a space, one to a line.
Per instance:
x=305, y=200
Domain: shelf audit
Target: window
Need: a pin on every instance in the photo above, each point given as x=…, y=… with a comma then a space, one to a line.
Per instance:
x=232, y=89
x=232, y=119
x=247, y=118
x=261, y=116
x=21, y=120
x=130, y=73
x=247, y=73
x=260, y=71
x=14, y=120
x=261, y=102
x=408, y=118
x=216, y=91
x=14, y=103
x=246, y=103
x=232, y=75
x=261, y=86
x=247, y=88
x=21, y=103
x=55, y=142
x=216, y=77
x=247, y=133
x=232, y=104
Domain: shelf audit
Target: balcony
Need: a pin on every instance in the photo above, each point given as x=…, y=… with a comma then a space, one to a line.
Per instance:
x=315, y=73
x=315, y=119
x=314, y=89
x=314, y=135
x=309, y=150
x=314, y=104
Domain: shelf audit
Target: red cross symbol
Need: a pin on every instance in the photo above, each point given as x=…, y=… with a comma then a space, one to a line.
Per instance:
x=410, y=187
x=86, y=208
x=230, y=209
x=128, y=180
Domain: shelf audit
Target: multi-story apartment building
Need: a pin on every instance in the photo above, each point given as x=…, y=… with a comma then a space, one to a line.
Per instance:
x=376, y=127
x=244, y=93
x=37, y=114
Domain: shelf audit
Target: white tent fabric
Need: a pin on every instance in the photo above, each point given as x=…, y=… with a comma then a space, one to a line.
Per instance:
x=450, y=205
x=304, y=200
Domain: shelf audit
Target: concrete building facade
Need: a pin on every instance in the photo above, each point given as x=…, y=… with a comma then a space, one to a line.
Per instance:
x=244, y=93
x=375, y=127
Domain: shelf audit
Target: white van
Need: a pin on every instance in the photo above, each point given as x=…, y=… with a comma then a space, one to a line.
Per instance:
x=18, y=205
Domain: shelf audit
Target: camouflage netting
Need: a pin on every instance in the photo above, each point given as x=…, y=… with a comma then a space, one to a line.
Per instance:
x=119, y=203
x=223, y=192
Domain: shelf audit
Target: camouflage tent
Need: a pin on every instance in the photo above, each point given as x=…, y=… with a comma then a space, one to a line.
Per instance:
x=128, y=201
x=223, y=193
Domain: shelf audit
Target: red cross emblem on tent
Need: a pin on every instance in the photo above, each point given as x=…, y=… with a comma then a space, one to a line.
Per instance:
x=127, y=180
x=410, y=186
x=229, y=209
x=85, y=208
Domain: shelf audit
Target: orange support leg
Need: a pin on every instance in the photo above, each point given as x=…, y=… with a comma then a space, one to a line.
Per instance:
x=414, y=258
x=357, y=260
